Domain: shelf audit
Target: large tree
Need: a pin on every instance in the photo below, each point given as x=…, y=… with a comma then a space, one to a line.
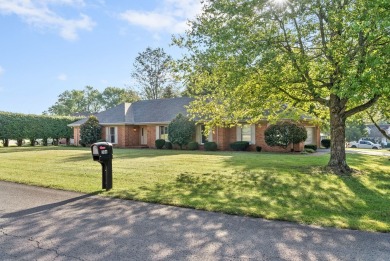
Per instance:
x=328, y=58
x=153, y=74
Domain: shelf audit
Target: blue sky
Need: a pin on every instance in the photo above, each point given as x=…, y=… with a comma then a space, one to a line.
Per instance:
x=50, y=46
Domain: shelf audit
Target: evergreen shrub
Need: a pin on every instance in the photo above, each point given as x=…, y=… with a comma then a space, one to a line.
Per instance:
x=210, y=146
x=239, y=145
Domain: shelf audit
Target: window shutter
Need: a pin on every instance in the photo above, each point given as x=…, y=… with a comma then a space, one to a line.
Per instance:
x=198, y=133
x=116, y=135
x=210, y=138
x=107, y=133
x=157, y=132
x=253, y=133
x=238, y=133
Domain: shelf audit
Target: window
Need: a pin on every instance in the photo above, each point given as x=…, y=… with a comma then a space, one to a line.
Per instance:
x=111, y=135
x=201, y=136
x=246, y=133
x=164, y=132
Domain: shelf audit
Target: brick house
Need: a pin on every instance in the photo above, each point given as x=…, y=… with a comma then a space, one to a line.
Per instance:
x=140, y=123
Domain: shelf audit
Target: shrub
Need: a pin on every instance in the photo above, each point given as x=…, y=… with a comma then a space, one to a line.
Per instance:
x=325, y=143
x=239, y=145
x=159, y=143
x=210, y=146
x=193, y=145
x=284, y=133
x=168, y=145
x=311, y=146
x=308, y=150
x=90, y=131
x=258, y=148
x=181, y=130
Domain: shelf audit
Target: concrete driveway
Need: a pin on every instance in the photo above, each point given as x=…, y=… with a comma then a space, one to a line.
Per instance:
x=45, y=224
x=372, y=152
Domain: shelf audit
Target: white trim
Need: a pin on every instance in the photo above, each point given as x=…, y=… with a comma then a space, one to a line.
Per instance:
x=157, y=132
x=108, y=134
x=210, y=138
x=253, y=134
x=238, y=133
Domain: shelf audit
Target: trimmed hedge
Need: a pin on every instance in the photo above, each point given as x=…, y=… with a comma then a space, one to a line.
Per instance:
x=311, y=146
x=193, y=145
x=325, y=143
x=210, y=146
x=239, y=145
x=17, y=126
x=168, y=145
x=159, y=143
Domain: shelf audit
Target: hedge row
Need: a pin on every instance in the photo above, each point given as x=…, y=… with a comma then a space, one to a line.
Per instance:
x=17, y=126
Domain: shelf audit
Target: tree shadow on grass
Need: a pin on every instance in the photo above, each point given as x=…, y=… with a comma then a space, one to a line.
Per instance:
x=294, y=198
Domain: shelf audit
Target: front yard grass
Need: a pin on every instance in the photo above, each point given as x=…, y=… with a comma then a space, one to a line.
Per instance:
x=290, y=187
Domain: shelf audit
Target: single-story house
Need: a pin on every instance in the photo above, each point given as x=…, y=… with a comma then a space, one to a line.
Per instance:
x=139, y=124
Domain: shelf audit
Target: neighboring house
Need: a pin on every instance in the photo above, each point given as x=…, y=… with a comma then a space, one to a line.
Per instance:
x=139, y=124
x=375, y=135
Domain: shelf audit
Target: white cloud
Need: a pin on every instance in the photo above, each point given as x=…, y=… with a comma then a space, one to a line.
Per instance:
x=62, y=77
x=38, y=13
x=171, y=17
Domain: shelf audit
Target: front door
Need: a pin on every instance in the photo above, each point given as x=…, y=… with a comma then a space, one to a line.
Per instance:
x=310, y=136
x=144, y=136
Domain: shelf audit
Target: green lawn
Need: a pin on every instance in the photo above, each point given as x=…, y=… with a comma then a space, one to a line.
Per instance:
x=290, y=187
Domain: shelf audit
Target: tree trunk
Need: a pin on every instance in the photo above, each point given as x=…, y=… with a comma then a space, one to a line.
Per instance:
x=337, y=160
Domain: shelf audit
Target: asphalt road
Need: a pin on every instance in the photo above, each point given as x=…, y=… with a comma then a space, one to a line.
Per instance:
x=45, y=224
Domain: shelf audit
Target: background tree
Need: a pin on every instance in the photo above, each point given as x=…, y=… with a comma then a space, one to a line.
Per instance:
x=355, y=129
x=112, y=96
x=153, y=74
x=93, y=99
x=328, y=58
x=90, y=100
x=181, y=130
x=90, y=131
x=69, y=102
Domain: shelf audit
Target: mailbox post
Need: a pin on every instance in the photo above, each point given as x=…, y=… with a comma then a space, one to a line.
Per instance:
x=102, y=152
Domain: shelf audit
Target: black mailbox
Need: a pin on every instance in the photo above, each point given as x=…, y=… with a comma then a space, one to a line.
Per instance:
x=102, y=152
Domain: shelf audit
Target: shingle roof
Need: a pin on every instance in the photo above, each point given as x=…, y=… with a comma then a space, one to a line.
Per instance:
x=374, y=132
x=142, y=112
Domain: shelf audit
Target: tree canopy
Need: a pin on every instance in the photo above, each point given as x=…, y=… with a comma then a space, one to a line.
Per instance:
x=153, y=74
x=91, y=100
x=325, y=58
